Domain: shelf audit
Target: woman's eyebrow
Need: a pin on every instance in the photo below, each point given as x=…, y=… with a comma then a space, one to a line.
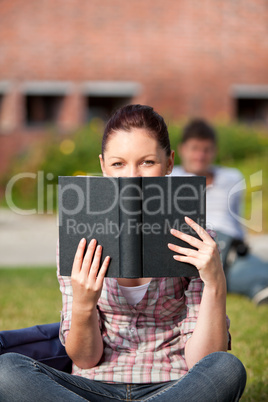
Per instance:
x=148, y=155
x=120, y=157
x=115, y=157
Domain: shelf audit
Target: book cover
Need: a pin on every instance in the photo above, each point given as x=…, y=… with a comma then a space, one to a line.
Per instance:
x=131, y=218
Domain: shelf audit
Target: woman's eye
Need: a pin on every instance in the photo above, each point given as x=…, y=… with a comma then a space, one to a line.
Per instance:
x=148, y=162
x=117, y=164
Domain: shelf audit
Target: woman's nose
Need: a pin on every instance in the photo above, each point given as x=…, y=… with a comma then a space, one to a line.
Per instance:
x=134, y=171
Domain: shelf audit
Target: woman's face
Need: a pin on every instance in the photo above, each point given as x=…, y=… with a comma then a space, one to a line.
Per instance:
x=134, y=154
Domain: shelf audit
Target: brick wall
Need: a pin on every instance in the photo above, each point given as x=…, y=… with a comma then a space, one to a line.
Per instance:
x=186, y=54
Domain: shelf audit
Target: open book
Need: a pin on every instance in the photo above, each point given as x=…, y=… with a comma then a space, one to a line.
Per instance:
x=131, y=218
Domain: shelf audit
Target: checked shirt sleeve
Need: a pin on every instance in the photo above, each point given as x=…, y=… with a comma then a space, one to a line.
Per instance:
x=67, y=300
x=193, y=294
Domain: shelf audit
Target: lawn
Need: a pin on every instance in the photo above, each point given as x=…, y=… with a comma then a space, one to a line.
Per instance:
x=28, y=297
x=32, y=296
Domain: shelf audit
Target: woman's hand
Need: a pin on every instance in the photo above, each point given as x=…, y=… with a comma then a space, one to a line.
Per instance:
x=84, y=342
x=210, y=333
x=206, y=258
x=87, y=278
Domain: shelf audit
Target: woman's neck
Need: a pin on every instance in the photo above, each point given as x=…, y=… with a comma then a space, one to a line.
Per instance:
x=209, y=178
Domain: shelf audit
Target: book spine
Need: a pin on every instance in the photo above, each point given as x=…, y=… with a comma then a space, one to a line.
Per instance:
x=130, y=220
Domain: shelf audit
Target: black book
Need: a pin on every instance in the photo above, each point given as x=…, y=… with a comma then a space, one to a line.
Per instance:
x=131, y=218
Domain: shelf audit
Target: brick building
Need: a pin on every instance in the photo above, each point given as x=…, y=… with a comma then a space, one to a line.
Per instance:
x=63, y=62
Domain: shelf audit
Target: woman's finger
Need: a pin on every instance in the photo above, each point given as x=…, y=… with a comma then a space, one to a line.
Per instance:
x=95, y=264
x=193, y=241
x=183, y=250
x=102, y=271
x=88, y=257
x=79, y=255
x=202, y=233
x=188, y=259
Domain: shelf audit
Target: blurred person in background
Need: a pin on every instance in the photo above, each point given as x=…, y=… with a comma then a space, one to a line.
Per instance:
x=245, y=273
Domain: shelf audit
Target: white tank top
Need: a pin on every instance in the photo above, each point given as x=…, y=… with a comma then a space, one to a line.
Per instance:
x=134, y=294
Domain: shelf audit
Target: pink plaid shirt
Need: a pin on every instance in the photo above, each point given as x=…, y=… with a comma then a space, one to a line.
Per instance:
x=143, y=343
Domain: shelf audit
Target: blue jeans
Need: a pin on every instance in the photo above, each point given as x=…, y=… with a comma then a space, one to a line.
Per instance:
x=247, y=276
x=219, y=376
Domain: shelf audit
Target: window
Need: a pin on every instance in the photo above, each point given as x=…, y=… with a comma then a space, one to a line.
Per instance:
x=42, y=109
x=251, y=104
x=104, y=97
x=104, y=106
x=252, y=110
x=44, y=101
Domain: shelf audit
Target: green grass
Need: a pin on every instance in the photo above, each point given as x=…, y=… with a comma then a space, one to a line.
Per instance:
x=249, y=332
x=28, y=297
x=32, y=296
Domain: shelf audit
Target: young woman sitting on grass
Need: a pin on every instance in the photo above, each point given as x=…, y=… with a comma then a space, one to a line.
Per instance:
x=146, y=339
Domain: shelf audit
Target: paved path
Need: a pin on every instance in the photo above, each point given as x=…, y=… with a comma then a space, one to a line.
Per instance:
x=31, y=240
x=27, y=240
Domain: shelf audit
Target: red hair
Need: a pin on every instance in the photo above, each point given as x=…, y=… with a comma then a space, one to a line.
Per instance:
x=138, y=116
